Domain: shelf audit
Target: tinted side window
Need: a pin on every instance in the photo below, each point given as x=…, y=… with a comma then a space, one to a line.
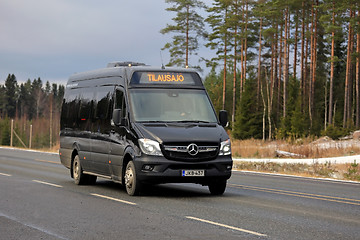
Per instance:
x=86, y=106
x=120, y=102
x=86, y=101
x=102, y=115
x=70, y=111
x=103, y=95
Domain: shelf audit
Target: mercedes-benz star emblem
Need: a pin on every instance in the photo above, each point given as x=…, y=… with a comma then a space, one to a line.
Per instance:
x=193, y=149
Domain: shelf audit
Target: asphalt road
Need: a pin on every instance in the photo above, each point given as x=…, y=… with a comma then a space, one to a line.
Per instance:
x=38, y=200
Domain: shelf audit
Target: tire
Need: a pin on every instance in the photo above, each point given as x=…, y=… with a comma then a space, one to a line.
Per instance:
x=77, y=172
x=131, y=182
x=91, y=179
x=217, y=188
x=79, y=177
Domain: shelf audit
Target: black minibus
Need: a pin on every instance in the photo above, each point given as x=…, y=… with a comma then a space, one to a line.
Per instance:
x=138, y=125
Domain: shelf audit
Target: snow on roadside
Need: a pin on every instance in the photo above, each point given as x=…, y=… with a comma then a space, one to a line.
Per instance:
x=332, y=160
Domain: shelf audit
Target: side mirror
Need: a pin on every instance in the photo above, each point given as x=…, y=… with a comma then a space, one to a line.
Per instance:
x=117, y=117
x=223, y=118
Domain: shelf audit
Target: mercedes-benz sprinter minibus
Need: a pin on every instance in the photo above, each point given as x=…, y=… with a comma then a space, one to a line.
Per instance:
x=140, y=125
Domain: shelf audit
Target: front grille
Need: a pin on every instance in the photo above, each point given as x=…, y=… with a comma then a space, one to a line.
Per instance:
x=190, y=151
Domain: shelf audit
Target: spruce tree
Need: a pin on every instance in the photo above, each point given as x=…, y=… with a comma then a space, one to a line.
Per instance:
x=10, y=95
x=248, y=119
x=2, y=101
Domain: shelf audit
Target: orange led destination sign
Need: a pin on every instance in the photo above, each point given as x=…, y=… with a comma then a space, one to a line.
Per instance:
x=165, y=77
x=173, y=78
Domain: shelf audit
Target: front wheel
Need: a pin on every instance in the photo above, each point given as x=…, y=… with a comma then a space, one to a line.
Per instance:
x=132, y=184
x=217, y=188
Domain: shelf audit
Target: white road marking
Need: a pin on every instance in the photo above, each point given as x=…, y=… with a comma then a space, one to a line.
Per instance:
x=111, y=198
x=227, y=226
x=32, y=226
x=4, y=174
x=46, y=183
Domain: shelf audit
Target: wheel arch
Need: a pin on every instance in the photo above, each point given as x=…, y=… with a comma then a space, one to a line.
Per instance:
x=73, y=154
x=129, y=155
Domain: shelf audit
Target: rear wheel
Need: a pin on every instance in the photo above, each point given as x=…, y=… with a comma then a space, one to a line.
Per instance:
x=218, y=187
x=91, y=179
x=79, y=177
x=132, y=184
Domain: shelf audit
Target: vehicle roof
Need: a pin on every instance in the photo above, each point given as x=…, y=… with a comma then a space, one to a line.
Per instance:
x=120, y=71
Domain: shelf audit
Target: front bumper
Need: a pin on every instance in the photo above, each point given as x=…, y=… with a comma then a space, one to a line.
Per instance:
x=155, y=169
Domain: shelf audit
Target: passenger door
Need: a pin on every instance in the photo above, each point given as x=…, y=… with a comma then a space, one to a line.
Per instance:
x=100, y=145
x=118, y=135
x=82, y=128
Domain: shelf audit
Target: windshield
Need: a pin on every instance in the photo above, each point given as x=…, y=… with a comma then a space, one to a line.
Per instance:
x=171, y=105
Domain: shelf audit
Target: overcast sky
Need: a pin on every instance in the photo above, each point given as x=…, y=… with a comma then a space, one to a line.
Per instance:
x=53, y=39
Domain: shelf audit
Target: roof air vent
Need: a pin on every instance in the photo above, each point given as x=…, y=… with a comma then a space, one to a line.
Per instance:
x=124, y=64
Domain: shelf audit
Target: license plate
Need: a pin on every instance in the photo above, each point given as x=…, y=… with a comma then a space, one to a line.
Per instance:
x=193, y=173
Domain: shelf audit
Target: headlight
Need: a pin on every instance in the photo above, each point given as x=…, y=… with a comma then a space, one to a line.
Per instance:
x=150, y=147
x=225, y=148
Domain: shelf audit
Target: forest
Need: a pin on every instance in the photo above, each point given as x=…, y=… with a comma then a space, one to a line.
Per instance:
x=30, y=104
x=282, y=69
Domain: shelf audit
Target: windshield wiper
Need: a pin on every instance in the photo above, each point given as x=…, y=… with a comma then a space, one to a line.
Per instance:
x=152, y=122
x=192, y=121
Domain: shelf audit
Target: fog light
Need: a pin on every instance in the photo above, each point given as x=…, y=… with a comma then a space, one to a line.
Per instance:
x=148, y=168
x=228, y=167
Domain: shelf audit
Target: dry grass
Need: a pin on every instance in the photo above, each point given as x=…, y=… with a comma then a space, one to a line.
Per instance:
x=307, y=148
x=338, y=171
x=54, y=149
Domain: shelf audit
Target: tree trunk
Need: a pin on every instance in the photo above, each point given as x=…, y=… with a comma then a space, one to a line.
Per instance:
x=264, y=109
x=245, y=47
x=275, y=66
x=307, y=52
x=313, y=50
x=285, y=65
x=270, y=94
x=259, y=62
x=314, y=58
x=357, y=76
x=187, y=36
x=234, y=77
x=331, y=91
x=51, y=120
x=242, y=55
x=296, y=43
x=302, y=68
x=351, y=73
x=312, y=62
x=224, y=77
x=347, y=77
x=280, y=67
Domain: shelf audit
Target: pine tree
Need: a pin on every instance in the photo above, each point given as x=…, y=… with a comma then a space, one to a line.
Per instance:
x=188, y=28
x=218, y=38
